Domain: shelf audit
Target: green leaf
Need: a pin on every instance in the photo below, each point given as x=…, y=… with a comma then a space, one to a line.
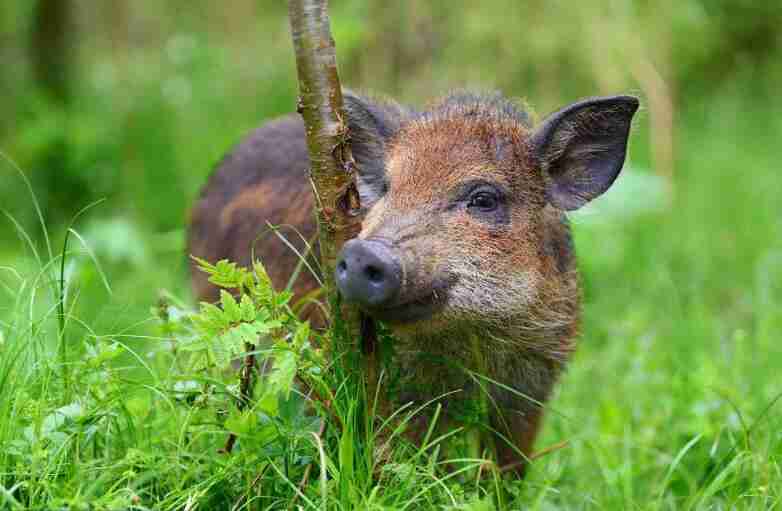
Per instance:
x=264, y=327
x=234, y=340
x=282, y=298
x=346, y=456
x=301, y=336
x=204, y=265
x=280, y=379
x=261, y=276
x=248, y=312
x=229, y=346
x=231, y=309
x=262, y=288
x=211, y=320
x=269, y=403
x=247, y=332
x=241, y=423
x=226, y=274
x=104, y=354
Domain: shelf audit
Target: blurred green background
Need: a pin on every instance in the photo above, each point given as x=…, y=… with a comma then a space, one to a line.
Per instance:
x=136, y=101
x=682, y=260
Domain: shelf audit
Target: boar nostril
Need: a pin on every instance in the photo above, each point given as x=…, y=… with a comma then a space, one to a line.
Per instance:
x=374, y=274
x=342, y=267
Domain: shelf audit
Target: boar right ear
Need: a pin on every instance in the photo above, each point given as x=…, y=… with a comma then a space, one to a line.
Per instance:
x=581, y=148
x=372, y=124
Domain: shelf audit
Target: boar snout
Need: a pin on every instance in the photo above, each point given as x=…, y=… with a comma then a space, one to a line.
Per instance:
x=368, y=273
x=390, y=283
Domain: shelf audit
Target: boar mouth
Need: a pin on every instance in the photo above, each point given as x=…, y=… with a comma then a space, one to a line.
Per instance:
x=408, y=312
x=416, y=309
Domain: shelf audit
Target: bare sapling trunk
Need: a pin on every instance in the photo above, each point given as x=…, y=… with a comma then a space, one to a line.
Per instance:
x=332, y=165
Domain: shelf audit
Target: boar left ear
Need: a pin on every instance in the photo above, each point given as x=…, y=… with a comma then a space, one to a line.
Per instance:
x=372, y=124
x=582, y=147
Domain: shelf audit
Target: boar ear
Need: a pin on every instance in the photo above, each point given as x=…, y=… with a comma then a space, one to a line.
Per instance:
x=372, y=124
x=581, y=148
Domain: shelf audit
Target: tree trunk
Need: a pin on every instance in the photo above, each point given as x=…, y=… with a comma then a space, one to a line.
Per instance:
x=332, y=168
x=51, y=48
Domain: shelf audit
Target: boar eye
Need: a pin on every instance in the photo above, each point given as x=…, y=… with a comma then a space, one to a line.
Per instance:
x=484, y=201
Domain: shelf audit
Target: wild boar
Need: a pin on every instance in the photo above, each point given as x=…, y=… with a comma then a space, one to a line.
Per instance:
x=465, y=250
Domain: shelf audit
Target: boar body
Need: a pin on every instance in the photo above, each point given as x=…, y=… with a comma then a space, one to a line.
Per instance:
x=262, y=182
x=465, y=250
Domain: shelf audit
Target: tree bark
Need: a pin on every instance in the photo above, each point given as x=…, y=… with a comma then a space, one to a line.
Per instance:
x=52, y=48
x=320, y=104
x=332, y=167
